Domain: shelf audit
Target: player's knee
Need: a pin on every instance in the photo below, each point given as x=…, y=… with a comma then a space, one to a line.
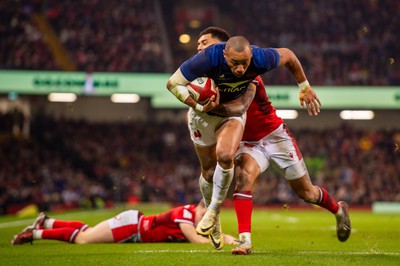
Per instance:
x=225, y=159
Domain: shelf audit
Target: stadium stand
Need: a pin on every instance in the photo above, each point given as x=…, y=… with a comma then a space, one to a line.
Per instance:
x=340, y=42
x=336, y=48
x=22, y=45
x=69, y=164
x=103, y=36
x=97, y=35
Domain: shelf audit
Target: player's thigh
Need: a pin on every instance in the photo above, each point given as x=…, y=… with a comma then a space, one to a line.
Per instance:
x=284, y=152
x=229, y=135
x=101, y=233
x=246, y=171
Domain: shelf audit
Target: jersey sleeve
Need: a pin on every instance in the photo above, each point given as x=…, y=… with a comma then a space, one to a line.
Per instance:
x=196, y=66
x=266, y=58
x=184, y=214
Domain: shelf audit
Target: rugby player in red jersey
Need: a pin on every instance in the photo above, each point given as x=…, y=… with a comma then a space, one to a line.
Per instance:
x=175, y=225
x=267, y=139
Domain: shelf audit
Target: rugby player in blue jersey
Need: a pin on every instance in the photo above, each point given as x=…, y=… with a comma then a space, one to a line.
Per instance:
x=233, y=66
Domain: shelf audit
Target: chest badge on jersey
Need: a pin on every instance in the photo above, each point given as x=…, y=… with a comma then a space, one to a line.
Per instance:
x=197, y=134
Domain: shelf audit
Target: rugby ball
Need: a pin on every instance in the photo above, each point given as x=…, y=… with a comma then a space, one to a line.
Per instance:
x=201, y=89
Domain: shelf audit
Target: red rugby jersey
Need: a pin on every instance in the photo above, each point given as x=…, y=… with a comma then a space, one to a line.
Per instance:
x=164, y=227
x=261, y=115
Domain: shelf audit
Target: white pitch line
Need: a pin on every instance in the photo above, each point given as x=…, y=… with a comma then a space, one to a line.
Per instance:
x=316, y=252
x=16, y=223
x=65, y=216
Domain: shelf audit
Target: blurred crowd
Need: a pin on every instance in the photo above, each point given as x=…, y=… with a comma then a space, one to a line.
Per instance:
x=339, y=42
x=108, y=36
x=22, y=45
x=98, y=35
x=70, y=164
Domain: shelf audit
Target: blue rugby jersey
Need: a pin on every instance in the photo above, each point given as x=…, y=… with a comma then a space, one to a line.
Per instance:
x=211, y=63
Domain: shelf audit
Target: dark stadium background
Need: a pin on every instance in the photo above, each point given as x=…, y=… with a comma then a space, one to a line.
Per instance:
x=93, y=153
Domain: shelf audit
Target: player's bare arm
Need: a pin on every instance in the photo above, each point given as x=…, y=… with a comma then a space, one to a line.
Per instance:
x=307, y=97
x=230, y=240
x=177, y=85
x=191, y=235
x=238, y=106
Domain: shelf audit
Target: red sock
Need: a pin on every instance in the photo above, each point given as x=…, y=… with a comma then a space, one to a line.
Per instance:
x=70, y=224
x=62, y=234
x=327, y=202
x=243, y=203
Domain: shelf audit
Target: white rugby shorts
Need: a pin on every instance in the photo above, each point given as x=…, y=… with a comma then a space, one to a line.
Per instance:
x=278, y=147
x=125, y=226
x=202, y=126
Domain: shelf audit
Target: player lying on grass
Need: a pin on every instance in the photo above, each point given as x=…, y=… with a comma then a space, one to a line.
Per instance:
x=175, y=225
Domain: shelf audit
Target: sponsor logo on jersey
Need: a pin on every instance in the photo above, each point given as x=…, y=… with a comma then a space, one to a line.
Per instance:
x=229, y=87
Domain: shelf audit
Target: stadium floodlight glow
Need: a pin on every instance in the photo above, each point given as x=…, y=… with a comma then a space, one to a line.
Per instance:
x=357, y=114
x=62, y=97
x=184, y=38
x=287, y=114
x=125, y=98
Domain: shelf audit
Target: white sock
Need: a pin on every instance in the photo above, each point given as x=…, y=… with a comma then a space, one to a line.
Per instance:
x=206, y=189
x=222, y=180
x=37, y=234
x=48, y=223
x=245, y=237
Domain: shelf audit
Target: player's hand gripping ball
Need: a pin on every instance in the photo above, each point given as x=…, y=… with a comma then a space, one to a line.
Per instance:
x=201, y=89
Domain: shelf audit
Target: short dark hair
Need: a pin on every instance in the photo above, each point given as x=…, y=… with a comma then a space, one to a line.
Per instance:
x=216, y=32
x=237, y=43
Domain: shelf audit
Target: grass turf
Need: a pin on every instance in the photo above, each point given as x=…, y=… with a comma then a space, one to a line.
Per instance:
x=280, y=237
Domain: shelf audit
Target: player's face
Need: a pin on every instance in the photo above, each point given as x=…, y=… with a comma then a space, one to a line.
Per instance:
x=205, y=41
x=238, y=62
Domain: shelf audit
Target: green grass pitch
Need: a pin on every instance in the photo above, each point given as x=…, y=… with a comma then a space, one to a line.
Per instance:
x=280, y=237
